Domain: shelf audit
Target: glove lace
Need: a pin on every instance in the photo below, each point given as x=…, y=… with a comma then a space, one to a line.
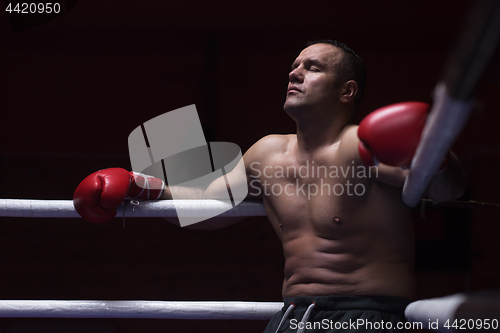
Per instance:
x=133, y=203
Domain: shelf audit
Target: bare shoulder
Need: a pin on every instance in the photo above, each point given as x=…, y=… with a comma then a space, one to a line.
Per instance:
x=267, y=148
x=275, y=141
x=270, y=144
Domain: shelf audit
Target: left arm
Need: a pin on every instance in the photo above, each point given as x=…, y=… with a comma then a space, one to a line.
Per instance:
x=391, y=136
x=446, y=185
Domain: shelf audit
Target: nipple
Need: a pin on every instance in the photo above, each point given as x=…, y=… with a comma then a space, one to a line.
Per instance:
x=281, y=225
x=338, y=220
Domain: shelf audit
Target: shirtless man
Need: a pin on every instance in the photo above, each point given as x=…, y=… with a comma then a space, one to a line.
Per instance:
x=347, y=237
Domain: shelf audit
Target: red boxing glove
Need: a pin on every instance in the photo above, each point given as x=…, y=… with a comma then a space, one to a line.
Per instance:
x=98, y=195
x=391, y=134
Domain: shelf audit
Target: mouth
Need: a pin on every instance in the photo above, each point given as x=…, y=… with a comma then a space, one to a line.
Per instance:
x=293, y=89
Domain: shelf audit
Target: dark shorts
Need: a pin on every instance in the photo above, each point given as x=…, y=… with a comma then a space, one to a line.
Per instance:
x=342, y=314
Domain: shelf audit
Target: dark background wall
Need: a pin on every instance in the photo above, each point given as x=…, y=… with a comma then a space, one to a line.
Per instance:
x=72, y=89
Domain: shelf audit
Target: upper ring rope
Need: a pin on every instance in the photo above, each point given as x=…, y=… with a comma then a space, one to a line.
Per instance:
x=160, y=208
x=167, y=208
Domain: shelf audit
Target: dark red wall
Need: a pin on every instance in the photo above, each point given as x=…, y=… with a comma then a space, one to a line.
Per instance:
x=72, y=89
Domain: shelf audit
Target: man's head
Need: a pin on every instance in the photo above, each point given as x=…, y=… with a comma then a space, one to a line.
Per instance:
x=350, y=68
x=325, y=73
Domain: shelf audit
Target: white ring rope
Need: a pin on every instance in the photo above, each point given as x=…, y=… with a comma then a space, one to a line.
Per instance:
x=160, y=208
x=432, y=313
x=435, y=311
x=139, y=309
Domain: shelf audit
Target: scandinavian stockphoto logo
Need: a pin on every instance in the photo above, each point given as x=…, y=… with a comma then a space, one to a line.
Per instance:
x=172, y=147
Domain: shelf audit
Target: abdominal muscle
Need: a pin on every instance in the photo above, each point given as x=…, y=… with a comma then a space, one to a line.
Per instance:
x=345, y=246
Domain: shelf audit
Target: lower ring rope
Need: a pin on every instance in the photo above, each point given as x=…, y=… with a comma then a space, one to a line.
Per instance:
x=436, y=310
x=139, y=309
x=440, y=310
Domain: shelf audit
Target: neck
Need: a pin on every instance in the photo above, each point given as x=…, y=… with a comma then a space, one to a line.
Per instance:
x=320, y=130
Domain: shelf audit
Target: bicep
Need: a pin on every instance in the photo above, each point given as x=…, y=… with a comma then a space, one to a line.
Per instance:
x=238, y=181
x=244, y=178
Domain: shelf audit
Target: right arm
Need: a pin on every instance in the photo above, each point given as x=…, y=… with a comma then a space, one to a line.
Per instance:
x=100, y=194
x=182, y=192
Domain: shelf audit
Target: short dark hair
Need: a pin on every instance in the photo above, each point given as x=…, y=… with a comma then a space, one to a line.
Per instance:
x=351, y=67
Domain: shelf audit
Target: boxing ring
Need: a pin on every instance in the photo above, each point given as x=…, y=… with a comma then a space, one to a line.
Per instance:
x=450, y=112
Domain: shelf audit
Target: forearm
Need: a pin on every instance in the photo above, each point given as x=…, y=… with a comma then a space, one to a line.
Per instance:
x=213, y=223
x=448, y=184
x=188, y=193
x=217, y=190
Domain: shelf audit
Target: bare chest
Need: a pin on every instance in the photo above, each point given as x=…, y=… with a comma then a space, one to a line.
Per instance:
x=321, y=195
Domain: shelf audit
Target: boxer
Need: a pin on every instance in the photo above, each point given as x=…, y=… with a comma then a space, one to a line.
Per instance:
x=347, y=236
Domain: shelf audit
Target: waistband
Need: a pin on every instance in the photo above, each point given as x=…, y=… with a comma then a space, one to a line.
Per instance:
x=377, y=303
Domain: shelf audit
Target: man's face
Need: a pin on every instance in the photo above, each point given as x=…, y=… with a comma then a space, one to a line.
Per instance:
x=312, y=79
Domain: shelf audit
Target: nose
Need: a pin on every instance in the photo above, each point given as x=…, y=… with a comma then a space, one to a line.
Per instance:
x=296, y=75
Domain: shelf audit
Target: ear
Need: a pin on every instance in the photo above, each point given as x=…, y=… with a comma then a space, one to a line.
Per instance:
x=349, y=91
